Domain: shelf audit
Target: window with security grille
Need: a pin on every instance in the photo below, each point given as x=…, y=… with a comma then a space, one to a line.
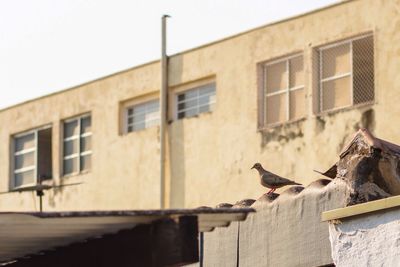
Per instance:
x=346, y=73
x=283, y=90
x=197, y=100
x=77, y=149
x=32, y=157
x=142, y=116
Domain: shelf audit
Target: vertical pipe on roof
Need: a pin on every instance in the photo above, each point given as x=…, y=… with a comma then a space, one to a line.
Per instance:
x=163, y=107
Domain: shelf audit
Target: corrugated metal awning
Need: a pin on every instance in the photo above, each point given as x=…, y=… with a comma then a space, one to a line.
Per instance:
x=27, y=233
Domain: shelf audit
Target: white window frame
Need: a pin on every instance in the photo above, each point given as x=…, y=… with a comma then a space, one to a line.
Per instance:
x=25, y=151
x=348, y=74
x=197, y=107
x=287, y=90
x=126, y=115
x=79, y=154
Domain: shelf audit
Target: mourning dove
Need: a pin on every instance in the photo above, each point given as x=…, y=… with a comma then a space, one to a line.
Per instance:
x=271, y=180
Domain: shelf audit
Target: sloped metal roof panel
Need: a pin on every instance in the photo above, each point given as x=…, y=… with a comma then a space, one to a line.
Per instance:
x=26, y=233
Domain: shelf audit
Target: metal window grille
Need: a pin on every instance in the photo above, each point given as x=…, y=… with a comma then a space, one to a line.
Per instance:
x=77, y=151
x=195, y=101
x=142, y=116
x=284, y=91
x=346, y=73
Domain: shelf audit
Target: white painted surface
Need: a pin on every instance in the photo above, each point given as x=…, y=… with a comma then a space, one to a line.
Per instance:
x=368, y=240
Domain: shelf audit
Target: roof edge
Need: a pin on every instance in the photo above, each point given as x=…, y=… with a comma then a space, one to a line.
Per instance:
x=120, y=213
x=272, y=23
x=79, y=85
x=359, y=209
x=180, y=53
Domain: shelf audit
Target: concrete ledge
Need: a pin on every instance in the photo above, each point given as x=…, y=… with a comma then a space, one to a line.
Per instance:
x=368, y=207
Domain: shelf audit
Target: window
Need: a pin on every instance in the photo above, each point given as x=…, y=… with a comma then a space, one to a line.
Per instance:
x=142, y=116
x=346, y=73
x=283, y=90
x=195, y=101
x=32, y=159
x=77, y=150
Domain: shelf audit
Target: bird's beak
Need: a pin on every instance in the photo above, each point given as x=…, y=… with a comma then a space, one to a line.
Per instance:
x=252, y=168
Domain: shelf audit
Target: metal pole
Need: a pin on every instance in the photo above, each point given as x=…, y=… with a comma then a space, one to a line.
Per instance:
x=41, y=202
x=163, y=106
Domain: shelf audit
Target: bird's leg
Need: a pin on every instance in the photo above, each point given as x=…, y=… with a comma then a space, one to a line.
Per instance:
x=269, y=191
x=273, y=190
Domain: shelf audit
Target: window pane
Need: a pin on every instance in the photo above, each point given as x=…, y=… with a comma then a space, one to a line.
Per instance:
x=297, y=104
x=181, y=97
x=152, y=106
x=188, y=95
x=70, y=147
x=70, y=128
x=139, y=108
x=187, y=104
x=336, y=61
x=205, y=100
x=23, y=178
x=152, y=119
x=191, y=112
x=276, y=108
x=188, y=113
x=152, y=116
x=71, y=165
x=86, y=125
x=138, y=118
x=143, y=116
x=44, y=152
x=213, y=99
x=196, y=101
x=336, y=93
x=25, y=142
x=86, y=162
x=86, y=143
x=296, y=72
x=24, y=160
x=276, y=77
x=207, y=89
x=206, y=108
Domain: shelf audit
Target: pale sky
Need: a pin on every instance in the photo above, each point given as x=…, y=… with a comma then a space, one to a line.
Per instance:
x=51, y=45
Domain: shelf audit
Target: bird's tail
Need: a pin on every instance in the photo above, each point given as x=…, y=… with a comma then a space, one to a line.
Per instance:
x=294, y=183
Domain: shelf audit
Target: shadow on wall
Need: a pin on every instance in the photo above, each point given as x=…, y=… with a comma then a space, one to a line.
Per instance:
x=176, y=140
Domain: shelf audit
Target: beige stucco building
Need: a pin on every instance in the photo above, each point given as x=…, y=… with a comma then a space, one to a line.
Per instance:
x=288, y=95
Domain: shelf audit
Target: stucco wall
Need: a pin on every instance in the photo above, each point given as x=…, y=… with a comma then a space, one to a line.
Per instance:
x=367, y=240
x=210, y=155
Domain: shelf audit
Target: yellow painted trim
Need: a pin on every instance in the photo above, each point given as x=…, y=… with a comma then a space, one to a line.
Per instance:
x=363, y=208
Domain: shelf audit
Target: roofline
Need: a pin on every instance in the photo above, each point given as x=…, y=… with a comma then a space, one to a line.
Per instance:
x=121, y=213
x=273, y=23
x=79, y=85
x=361, y=209
x=183, y=52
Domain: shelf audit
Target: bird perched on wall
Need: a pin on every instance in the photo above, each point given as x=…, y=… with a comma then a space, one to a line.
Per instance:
x=271, y=180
